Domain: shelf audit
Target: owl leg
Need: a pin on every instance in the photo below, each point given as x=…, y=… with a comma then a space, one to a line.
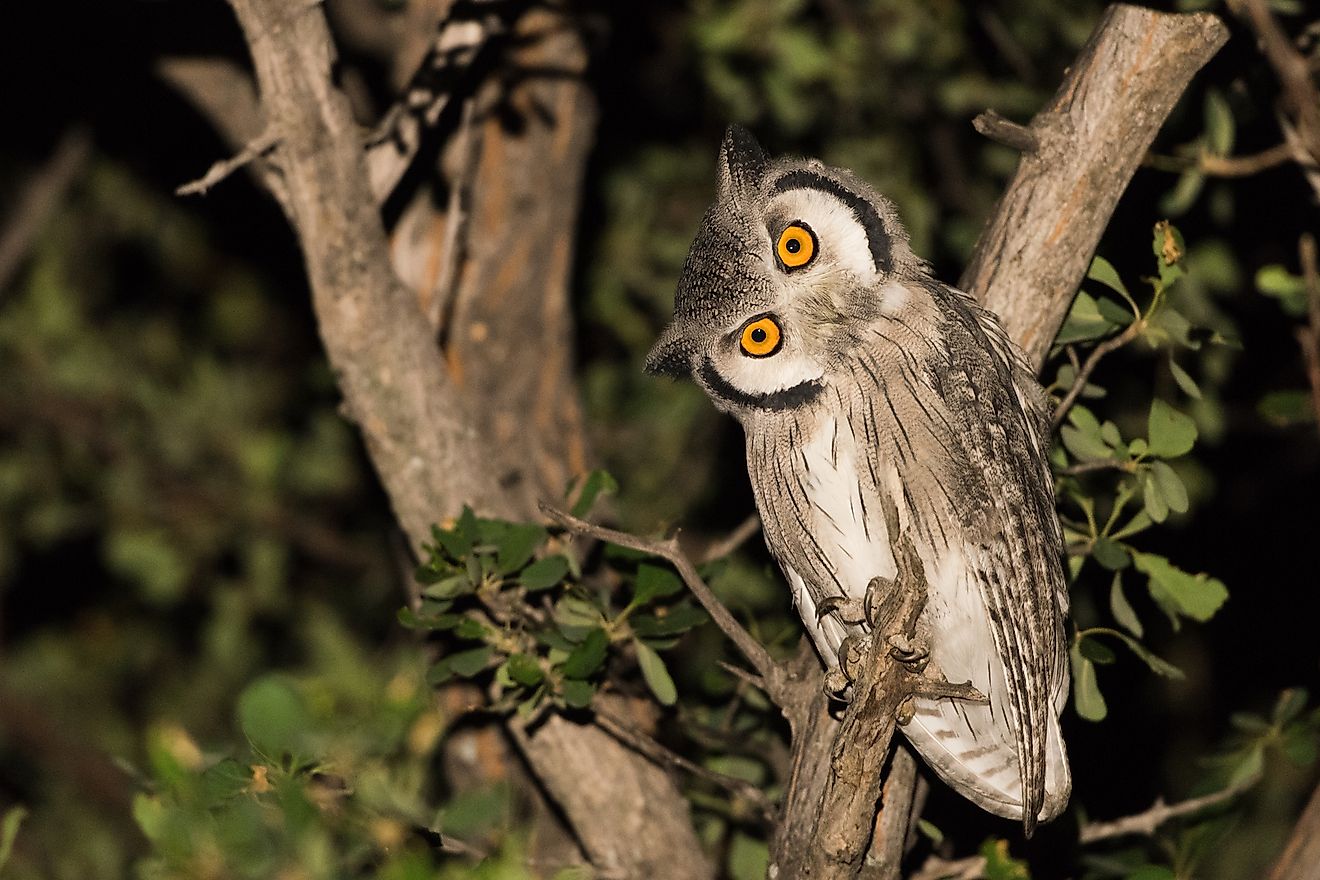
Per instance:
x=852, y=652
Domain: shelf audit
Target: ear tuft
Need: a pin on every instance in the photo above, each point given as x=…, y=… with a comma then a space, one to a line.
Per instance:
x=742, y=162
x=671, y=355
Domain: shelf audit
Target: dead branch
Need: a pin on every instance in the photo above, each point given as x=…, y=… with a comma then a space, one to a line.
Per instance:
x=1092, y=136
x=1223, y=166
x=741, y=534
x=1149, y=821
x=1301, y=100
x=1005, y=131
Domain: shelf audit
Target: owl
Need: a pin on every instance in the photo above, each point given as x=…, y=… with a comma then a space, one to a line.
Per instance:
x=863, y=385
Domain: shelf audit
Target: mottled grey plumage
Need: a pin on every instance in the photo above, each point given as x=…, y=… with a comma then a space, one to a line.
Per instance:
x=884, y=382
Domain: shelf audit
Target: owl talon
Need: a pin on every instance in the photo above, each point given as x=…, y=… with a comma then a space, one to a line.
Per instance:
x=836, y=682
x=905, y=712
x=848, y=611
x=910, y=652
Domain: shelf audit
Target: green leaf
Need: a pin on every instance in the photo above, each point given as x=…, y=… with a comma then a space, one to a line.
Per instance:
x=1289, y=289
x=1110, y=554
x=1171, y=433
x=524, y=669
x=148, y=813
x=273, y=716
x=1103, y=271
x=1152, y=872
x=1096, y=651
x=1183, y=195
x=588, y=656
x=749, y=858
x=515, y=543
x=597, y=482
x=578, y=694
x=1170, y=486
x=1219, y=129
x=931, y=831
x=1157, y=664
x=13, y=818
x=1122, y=611
x=1085, y=446
x=1290, y=704
x=669, y=621
x=1184, y=380
x=1196, y=596
x=544, y=573
x=449, y=588
x=653, y=582
x=656, y=675
x=1286, y=408
x=1084, y=321
x=1156, y=507
x=1087, y=699
x=999, y=865
x=1250, y=768
x=466, y=664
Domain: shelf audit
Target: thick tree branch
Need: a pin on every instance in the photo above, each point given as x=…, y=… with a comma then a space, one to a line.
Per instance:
x=1092, y=136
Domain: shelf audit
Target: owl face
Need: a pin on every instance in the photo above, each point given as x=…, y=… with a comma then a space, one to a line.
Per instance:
x=791, y=260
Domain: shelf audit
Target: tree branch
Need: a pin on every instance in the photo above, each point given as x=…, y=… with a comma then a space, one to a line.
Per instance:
x=1131, y=332
x=1160, y=813
x=1308, y=335
x=1092, y=136
x=1300, y=859
x=39, y=198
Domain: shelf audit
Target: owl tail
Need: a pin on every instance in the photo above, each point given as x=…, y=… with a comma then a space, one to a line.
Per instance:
x=972, y=748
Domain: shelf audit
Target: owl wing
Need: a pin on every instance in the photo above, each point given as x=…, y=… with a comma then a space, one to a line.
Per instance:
x=1011, y=559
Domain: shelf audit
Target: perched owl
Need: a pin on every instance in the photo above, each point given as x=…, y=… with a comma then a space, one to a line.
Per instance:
x=803, y=312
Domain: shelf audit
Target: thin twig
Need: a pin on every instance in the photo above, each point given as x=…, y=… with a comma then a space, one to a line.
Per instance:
x=1149, y=821
x=732, y=541
x=936, y=868
x=1223, y=166
x=669, y=550
x=630, y=736
x=1301, y=99
x=1308, y=336
x=255, y=149
x=1109, y=345
x=1104, y=464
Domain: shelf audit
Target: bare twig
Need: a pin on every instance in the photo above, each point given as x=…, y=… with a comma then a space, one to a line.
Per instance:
x=630, y=736
x=668, y=549
x=936, y=868
x=1308, y=335
x=1006, y=131
x=1301, y=100
x=40, y=197
x=1131, y=332
x=1223, y=166
x=1149, y=821
x=255, y=148
x=743, y=533
x=1106, y=464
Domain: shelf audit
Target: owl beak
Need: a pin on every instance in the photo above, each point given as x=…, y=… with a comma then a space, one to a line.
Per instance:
x=671, y=355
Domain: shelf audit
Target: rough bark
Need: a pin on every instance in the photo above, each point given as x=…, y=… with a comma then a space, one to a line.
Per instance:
x=1089, y=141
x=422, y=430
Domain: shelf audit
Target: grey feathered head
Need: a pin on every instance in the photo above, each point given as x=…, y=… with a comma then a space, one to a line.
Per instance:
x=789, y=254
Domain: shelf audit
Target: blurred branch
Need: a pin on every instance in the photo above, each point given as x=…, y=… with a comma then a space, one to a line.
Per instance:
x=256, y=148
x=1301, y=100
x=742, y=533
x=1308, y=335
x=1092, y=136
x=936, y=868
x=1222, y=166
x=39, y=198
x=1148, y=822
x=1300, y=859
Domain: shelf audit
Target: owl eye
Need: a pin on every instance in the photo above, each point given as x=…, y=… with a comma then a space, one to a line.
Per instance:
x=761, y=338
x=796, y=245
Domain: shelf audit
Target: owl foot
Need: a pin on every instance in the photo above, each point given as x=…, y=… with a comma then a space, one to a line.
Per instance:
x=935, y=689
x=849, y=611
x=911, y=652
x=851, y=654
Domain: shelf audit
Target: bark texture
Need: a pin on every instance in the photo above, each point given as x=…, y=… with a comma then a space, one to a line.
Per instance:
x=1089, y=141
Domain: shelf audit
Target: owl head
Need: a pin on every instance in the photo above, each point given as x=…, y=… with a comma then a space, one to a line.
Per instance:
x=790, y=261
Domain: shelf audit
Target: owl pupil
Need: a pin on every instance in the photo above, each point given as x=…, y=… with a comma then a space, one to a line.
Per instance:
x=758, y=335
x=792, y=245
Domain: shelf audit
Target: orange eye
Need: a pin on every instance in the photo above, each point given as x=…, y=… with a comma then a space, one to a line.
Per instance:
x=796, y=246
x=761, y=338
